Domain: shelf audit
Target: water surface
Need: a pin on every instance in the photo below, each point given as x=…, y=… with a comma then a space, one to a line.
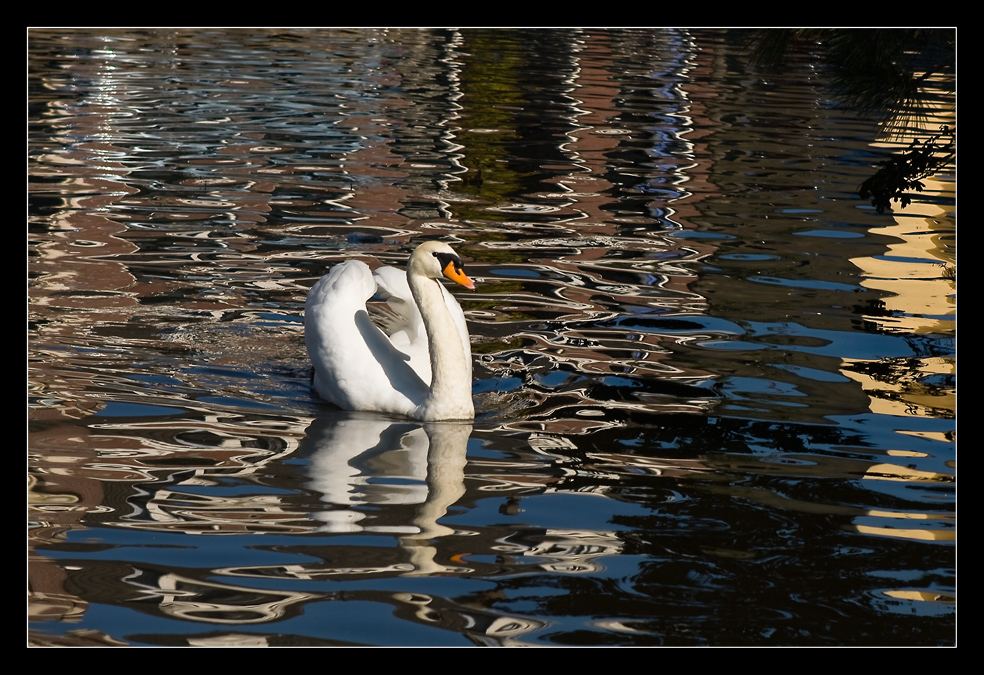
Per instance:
x=714, y=388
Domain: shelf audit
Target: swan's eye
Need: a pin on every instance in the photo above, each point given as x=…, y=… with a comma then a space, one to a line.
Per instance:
x=450, y=259
x=452, y=268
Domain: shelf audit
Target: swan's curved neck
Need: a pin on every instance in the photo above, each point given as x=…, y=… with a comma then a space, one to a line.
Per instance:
x=450, y=394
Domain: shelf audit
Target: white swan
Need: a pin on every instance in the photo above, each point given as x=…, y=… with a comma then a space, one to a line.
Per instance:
x=421, y=366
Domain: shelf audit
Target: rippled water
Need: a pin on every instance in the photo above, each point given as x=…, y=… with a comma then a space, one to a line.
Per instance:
x=714, y=388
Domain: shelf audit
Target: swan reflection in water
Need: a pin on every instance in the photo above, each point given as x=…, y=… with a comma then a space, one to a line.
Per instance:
x=386, y=476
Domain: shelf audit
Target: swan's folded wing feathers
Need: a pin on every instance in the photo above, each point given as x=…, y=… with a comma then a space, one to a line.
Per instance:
x=400, y=318
x=403, y=314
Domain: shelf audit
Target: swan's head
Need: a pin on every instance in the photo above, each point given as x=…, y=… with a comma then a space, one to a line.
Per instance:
x=435, y=259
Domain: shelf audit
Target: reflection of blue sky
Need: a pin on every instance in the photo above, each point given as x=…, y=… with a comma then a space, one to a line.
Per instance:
x=795, y=337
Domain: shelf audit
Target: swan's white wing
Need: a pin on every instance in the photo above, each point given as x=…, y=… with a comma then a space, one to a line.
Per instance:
x=356, y=366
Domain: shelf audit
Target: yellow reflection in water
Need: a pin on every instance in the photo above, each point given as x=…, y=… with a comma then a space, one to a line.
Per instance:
x=916, y=276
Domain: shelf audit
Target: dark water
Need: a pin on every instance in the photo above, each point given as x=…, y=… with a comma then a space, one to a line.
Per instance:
x=715, y=389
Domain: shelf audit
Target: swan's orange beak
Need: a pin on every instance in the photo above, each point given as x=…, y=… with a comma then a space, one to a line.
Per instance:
x=457, y=275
